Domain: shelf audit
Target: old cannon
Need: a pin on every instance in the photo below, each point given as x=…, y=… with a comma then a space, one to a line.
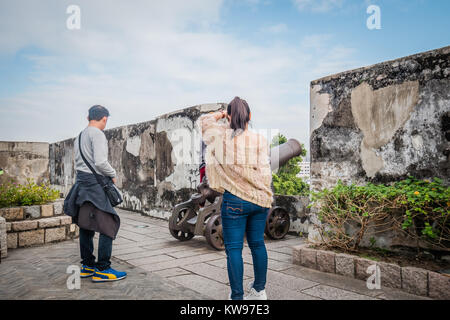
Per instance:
x=200, y=215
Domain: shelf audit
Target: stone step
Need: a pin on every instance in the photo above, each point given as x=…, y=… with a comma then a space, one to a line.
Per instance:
x=33, y=212
x=413, y=280
x=40, y=231
x=42, y=223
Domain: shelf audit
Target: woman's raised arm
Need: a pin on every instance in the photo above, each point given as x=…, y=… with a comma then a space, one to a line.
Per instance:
x=210, y=127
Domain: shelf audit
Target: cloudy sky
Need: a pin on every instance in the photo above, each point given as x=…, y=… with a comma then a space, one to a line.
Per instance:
x=142, y=59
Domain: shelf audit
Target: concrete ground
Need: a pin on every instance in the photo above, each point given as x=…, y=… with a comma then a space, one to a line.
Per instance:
x=161, y=267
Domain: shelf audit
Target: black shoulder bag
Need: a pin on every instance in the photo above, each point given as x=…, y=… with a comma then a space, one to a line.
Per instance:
x=112, y=193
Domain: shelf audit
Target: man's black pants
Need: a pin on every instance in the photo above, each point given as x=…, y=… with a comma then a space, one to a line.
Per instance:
x=87, y=250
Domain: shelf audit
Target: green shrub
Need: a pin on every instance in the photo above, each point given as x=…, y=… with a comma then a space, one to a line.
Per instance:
x=285, y=181
x=14, y=194
x=289, y=185
x=423, y=208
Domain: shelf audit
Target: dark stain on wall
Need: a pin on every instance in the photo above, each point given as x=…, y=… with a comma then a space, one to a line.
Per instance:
x=130, y=164
x=164, y=164
x=171, y=198
x=341, y=117
x=296, y=206
x=57, y=152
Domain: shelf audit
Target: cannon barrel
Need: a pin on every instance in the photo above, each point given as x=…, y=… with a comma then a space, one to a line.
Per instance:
x=282, y=153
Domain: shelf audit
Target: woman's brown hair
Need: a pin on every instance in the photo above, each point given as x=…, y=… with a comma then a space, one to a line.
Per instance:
x=239, y=111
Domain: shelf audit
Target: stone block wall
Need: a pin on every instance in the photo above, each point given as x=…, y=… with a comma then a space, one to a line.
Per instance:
x=382, y=123
x=34, y=225
x=3, y=241
x=22, y=160
x=413, y=280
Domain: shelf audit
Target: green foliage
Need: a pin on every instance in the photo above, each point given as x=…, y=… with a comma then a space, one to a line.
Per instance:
x=285, y=181
x=426, y=200
x=14, y=194
x=366, y=256
x=423, y=208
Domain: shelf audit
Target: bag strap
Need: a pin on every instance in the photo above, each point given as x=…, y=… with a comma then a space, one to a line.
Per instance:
x=97, y=176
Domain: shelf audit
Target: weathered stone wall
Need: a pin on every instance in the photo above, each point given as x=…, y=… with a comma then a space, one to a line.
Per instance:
x=296, y=206
x=156, y=161
x=22, y=160
x=382, y=123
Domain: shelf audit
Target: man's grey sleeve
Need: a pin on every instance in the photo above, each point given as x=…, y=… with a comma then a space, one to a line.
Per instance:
x=100, y=147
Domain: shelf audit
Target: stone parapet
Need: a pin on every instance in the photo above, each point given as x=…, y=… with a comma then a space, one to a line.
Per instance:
x=416, y=281
x=34, y=225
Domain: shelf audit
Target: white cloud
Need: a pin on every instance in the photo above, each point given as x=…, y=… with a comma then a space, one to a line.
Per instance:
x=318, y=5
x=151, y=61
x=276, y=28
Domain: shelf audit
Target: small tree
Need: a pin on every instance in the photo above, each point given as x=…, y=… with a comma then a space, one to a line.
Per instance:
x=285, y=180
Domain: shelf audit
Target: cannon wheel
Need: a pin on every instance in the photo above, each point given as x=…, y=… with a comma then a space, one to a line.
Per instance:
x=176, y=222
x=213, y=232
x=277, y=223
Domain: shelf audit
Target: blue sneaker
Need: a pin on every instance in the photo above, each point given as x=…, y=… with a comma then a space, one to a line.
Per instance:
x=108, y=275
x=86, y=271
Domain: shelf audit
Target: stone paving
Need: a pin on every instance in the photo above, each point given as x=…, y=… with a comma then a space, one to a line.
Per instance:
x=161, y=267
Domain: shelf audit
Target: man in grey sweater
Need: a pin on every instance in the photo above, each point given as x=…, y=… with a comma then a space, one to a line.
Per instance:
x=87, y=202
x=95, y=149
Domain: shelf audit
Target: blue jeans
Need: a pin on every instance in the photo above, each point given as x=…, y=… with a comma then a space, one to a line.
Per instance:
x=241, y=217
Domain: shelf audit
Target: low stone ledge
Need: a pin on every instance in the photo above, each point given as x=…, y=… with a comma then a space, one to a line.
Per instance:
x=29, y=238
x=65, y=220
x=47, y=210
x=390, y=275
x=326, y=261
x=32, y=212
x=55, y=234
x=12, y=214
x=3, y=239
x=345, y=265
x=58, y=206
x=24, y=225
x=49, y=222
x=73, y=231
x=296, y=254
x=308, y=258
x=32, y=232
x=413, y=280
x=438, y=286
x=361, y=266
x=12, y=240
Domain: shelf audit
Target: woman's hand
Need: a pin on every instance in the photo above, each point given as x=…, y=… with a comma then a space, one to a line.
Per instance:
x=220, y=114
